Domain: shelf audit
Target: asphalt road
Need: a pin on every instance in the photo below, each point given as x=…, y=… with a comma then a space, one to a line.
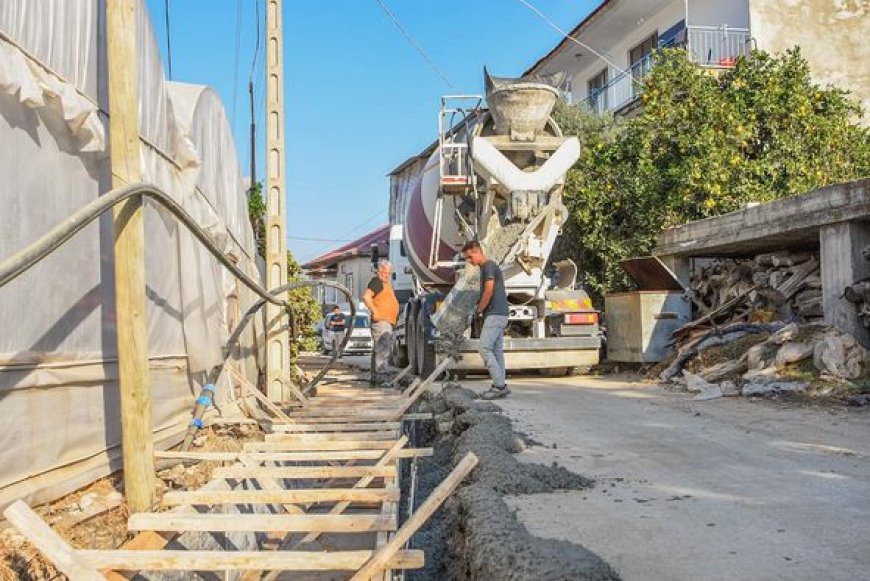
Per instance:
x=727, y=489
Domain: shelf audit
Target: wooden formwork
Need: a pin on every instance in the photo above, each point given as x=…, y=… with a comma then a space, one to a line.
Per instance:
x=328, y=466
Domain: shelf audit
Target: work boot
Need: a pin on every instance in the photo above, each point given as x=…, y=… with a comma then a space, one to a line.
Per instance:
x=495, y=392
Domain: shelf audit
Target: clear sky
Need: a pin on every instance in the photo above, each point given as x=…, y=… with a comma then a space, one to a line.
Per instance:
x=359, y=98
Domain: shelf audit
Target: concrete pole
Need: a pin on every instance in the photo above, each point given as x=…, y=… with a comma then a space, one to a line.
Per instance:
x=130, y=305
x=277, y=328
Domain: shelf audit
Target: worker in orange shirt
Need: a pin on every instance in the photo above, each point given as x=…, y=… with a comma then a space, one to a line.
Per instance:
x=381, y=302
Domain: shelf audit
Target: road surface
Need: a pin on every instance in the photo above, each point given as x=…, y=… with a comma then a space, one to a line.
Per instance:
x=726, y=489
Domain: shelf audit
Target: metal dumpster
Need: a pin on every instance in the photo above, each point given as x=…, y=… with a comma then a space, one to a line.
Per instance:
x=640, y=323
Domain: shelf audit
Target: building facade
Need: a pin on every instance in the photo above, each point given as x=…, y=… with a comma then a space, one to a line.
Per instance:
x=350, y=265
x=620, y=36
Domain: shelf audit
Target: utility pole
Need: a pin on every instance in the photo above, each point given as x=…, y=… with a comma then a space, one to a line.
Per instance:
x=130, y=313
x=278, y=379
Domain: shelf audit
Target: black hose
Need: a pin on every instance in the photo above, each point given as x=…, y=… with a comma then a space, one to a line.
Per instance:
x=26, y=259
x=234, y=338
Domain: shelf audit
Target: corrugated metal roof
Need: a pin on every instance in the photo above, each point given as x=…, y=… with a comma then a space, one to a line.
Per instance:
x=360, y=247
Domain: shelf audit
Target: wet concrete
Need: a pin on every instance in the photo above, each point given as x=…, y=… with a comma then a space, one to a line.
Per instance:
x=476, y=536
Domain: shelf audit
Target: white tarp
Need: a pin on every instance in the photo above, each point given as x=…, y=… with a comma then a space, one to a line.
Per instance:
x=58, y=371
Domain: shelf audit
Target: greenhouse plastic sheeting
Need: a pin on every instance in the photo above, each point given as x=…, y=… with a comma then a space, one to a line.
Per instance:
x=58, y=359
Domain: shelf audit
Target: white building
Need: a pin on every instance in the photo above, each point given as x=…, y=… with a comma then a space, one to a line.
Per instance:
x=620, y=35
x=350, y=265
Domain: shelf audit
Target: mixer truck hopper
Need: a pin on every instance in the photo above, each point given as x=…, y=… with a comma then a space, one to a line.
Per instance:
x=496, y=175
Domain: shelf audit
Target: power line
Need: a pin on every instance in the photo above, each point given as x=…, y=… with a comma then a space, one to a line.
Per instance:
x=168, y=37
x=236, y=59
x=555, y=27
x=414, y=44
x=349, y=232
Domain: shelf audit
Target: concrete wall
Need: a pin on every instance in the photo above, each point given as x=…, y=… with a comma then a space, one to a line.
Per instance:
x=834, y=36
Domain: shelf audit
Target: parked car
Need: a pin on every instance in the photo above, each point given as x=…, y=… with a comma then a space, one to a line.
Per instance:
x=360, y=336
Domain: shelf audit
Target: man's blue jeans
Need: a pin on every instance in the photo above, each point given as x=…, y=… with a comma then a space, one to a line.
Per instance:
x=492, y=347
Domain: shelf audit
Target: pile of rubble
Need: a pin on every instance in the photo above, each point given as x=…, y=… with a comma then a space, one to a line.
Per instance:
x=762, y=358
x=760, y=331
x=780, y=286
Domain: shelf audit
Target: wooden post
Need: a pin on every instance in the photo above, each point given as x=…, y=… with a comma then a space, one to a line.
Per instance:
x=130, y=313
x=277, y=325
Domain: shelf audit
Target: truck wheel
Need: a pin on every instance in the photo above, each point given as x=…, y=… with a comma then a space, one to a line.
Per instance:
x=554, y=371
x=425, y=351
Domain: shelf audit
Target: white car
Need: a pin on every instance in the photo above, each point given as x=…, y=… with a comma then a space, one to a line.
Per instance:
x=360, y=338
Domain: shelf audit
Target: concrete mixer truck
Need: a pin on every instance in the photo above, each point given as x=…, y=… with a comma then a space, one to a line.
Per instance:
x=495, y=175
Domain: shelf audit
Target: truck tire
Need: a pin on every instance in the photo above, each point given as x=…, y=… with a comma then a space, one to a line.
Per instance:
x=425, y=351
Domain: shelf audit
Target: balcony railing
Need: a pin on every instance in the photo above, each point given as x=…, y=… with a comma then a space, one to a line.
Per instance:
x=709, y=46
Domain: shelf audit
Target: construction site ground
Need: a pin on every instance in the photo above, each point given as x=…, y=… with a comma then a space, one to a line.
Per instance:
x=731, y=489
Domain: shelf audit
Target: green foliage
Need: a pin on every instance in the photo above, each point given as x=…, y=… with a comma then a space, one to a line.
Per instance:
x=305, y=309
x=704, y=144
x=257, y=215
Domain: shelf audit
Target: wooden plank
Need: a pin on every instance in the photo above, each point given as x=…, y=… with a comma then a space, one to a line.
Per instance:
x=424, y=386
x=242, y=560
x=389, y=458
x=321, y=445
x=395, y=381
x=265, y=401
x=333, y=437
x=339, y=427
x=292, y=496
x=66, y=559
x=303, y=523
x=131, y=317
x=380, y=560
x=302, y=472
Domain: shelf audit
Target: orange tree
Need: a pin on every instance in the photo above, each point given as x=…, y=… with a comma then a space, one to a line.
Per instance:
x=704, y=144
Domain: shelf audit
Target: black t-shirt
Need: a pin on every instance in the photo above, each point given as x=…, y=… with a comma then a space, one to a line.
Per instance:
x=376, y=285
x=338, y=322
x=498, y=304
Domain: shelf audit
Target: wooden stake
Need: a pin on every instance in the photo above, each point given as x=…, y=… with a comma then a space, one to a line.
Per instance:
x=302, y=472
x=130, y=305
x=380, y=560
x=294, y=496
x=50, y=544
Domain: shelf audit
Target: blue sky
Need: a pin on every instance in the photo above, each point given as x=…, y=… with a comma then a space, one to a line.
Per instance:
x=359, y=98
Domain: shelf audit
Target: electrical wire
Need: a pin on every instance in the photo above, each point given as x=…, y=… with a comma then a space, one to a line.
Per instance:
x=556, y=27
x=349, y=232
x=238, y=50
x=414, y=44
x=168, y=37
x=303, y=238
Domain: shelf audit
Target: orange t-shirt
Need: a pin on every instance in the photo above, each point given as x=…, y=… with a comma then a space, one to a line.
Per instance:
x=386, y=306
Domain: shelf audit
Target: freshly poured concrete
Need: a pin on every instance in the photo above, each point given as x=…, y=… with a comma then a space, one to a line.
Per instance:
x=726, y=489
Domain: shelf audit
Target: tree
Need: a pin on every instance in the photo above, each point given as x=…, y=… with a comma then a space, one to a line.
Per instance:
x=704, y=144
x=305, y=310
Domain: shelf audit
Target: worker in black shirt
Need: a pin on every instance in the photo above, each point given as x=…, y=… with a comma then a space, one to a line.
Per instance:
x=336, y=325
x=493, y=307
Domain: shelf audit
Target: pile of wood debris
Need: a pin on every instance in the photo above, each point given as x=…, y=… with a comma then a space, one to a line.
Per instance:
x=760, y=330
x=778, y=286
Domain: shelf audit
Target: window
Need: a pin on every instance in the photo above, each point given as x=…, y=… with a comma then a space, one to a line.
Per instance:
x=597, y=91
x=348, y=281
x=640, y=60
